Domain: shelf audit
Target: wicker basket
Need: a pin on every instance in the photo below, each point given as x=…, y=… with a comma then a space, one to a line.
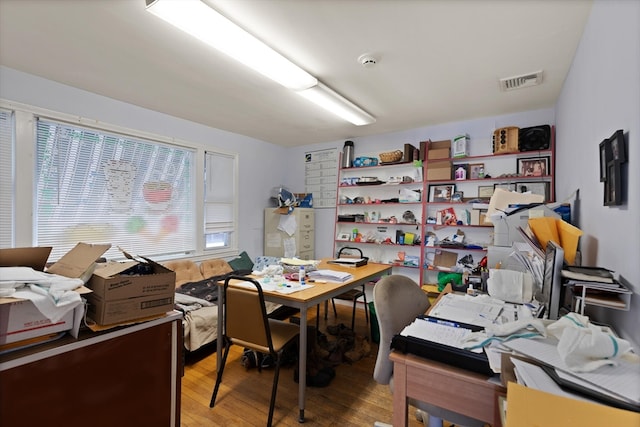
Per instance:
x=391, y=156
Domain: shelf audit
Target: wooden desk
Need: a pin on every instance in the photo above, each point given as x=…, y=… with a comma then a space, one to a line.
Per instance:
x=445, y=386
x=308, y=298
x=125, y=376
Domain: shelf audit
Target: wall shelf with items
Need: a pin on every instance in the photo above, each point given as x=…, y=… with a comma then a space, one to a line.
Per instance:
x=457, y=198
x=379, y=210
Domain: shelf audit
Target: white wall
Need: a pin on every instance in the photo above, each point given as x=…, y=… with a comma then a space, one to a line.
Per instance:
x=602, y=94
x=261, y=163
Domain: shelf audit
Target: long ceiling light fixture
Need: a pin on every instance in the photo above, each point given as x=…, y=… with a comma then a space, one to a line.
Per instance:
x=201, y=21
x=335, y=103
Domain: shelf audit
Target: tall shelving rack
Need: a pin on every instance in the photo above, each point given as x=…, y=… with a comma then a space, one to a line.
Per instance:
x=365, y=205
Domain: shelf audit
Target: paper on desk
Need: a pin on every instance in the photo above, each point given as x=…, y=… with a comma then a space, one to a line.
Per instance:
x=480, y=310
x=501, y=199
x=623, y=380
x=284, y=287
x=535, y=377
x=441, y=334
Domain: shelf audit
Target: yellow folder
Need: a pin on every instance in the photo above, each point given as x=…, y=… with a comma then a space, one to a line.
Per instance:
x=527, y=407
x=566, y=235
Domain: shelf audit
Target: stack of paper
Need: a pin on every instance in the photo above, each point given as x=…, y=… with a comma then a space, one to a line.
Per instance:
x=330, y=275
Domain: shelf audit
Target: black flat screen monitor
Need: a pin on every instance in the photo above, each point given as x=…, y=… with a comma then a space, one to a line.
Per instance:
x=550, y=295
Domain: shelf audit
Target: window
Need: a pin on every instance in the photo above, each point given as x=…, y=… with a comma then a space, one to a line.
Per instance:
x=220, y=201
x=7, y=202
x=98, y=187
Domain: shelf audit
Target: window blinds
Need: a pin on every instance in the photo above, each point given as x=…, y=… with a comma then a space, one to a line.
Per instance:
x=7, y=200
x=97, y=187
x=220, y=200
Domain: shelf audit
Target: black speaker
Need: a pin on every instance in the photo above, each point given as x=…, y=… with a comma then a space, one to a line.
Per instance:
x=534, y=138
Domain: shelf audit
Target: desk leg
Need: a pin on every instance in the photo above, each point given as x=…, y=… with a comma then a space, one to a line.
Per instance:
x=302, y=372
x=220, y=303
x=400, y=395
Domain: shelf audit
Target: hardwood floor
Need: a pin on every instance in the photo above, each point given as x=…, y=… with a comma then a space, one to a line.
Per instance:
x=352, y=399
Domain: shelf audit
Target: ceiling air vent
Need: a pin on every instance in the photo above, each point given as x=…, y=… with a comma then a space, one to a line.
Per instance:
x=519, y=82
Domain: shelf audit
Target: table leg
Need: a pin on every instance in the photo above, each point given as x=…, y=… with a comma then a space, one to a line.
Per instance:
x=220, y=303
x=400, y=410
x=302, y=367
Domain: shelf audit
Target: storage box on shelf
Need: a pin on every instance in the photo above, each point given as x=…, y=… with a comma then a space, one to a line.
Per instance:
x=380, y=211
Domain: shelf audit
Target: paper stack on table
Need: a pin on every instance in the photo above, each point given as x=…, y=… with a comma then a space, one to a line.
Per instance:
x=330, y=275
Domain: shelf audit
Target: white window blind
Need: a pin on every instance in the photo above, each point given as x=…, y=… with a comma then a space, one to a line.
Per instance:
x=7, y=202
x=97, y=187
x=220, y=201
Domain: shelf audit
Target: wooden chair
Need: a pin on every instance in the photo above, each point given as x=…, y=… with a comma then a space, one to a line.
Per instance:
x=246, y=324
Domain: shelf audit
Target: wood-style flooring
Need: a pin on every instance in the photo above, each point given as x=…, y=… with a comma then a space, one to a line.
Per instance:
x=352, y=399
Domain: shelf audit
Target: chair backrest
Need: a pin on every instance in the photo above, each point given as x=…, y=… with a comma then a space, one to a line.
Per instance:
x=398, y=300
x=245, y=315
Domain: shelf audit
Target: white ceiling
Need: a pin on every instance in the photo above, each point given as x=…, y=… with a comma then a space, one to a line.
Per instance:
x=438, y=61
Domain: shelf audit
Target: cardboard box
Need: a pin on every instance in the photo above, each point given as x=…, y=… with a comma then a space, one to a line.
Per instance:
x=20, y=320
x=118, y=296
x=438, y=170
x=439, y=150
x=445, y=259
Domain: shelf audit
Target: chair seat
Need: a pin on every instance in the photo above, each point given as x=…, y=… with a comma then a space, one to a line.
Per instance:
x=350, y=295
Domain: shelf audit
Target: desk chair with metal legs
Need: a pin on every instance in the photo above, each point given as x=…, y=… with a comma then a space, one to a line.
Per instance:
x=398, y=300
x=246, y=324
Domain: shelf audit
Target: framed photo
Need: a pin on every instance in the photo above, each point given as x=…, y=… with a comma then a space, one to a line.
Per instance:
x=612, y=186
x=457, y=196
x=441, y=193
x=535, y=166
x=344, y=236
x=605, y=158
x=485, y=191
x=618, y=148
x=541, y=188
x=476, y=171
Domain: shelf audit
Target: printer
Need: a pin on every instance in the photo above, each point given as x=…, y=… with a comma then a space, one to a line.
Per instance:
x=505, y=229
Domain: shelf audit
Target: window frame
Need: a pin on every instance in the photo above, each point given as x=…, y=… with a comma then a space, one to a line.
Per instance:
x=25, y=118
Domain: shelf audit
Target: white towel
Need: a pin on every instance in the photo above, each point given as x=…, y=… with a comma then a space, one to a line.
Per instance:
x=53, y=295
x=584, y=346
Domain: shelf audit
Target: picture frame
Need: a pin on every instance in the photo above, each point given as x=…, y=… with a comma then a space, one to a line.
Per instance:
x=509, y=186
x=613, y=153
x=533, y=166
x=605, y=158
x=476, y=171
x=485, y=191
x=618, y=147
x=534, y=187
x=441, y=193
x=612, y=186
x=344, y=236
x=461, y=171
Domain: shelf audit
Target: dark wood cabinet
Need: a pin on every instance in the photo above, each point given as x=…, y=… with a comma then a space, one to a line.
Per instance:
x=128, y=377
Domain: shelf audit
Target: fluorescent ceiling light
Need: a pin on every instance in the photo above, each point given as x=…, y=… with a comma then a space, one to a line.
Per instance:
x=335, y=103
x=201, y=21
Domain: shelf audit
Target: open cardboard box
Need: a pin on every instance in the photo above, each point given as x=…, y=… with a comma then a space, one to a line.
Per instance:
x=20, y=320
x=120, y=294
